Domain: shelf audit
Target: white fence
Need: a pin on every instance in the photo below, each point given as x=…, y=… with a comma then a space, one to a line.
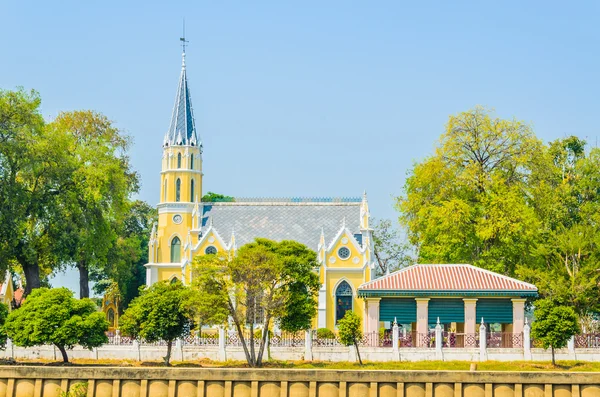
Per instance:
x=437, y=345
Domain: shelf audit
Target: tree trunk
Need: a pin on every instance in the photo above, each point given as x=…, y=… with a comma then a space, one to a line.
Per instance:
x=32, y=276
x=64, y=353
x=84, y=280
x=168, y=356
x=263, y=341
x=553, y=360
x=357, y=352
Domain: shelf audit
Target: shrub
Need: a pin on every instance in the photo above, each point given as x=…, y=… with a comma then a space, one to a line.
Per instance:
x=53, y=316
x=325, y=333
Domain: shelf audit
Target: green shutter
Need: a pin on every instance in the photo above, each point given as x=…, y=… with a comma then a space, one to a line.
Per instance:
x=448, y=310
x=404, y=309
x=494, y=311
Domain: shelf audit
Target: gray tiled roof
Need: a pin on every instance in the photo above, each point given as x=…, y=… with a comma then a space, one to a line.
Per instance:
x=301, y=222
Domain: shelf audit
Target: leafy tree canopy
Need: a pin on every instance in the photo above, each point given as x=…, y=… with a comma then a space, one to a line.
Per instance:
x=53, y=316
x=211, y=197
x=267, y=280
x=160, y=313
x=495, y=196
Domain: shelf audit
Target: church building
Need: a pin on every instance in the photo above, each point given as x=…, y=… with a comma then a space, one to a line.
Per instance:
x=336, y=228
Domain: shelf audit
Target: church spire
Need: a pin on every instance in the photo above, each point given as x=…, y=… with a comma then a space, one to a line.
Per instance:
x=182, y=130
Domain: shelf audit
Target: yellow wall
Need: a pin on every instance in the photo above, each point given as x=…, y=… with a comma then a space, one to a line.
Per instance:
x=167, y=273
x=353, y=270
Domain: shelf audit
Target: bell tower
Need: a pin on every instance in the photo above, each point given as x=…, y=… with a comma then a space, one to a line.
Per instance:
x=180, y=191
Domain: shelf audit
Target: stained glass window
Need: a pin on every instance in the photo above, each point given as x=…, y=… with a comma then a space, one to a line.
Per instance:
x=343, y=300
x=344, y=253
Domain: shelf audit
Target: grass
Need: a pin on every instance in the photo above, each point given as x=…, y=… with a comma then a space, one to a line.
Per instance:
x=519, y=366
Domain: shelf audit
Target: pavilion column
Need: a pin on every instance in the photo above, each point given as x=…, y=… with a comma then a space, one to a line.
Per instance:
x=372, y=315
x=470, y=321
x=422, y=319
x=518, y=315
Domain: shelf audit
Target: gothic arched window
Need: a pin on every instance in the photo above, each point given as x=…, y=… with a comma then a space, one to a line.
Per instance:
x=192, y=191
x=175, y=250
x=178, y=160
x=192, y=162
x=343, y=300
x=111, y=317
x=178, y=190
x=174, y=280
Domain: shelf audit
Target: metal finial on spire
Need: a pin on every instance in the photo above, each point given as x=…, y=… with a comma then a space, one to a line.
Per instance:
x=182, y=39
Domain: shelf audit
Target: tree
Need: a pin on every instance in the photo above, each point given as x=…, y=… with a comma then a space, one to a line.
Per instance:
x=159, y=313
x=33, y=171
x=267, y=280
x=211, y=197
x=390, y=251
x=566, y=199
x=53, y=316
x=469, y=201
x=554, y=325
x=124, y=267
x=350, y=331
x=101, y=181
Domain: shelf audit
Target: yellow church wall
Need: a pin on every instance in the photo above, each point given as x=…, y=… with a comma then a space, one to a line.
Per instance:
x=355, y=278
x=167, y=273
x=168, y=232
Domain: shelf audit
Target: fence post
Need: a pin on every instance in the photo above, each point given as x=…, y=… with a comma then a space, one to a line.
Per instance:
x=222, y=351
x=571, y=345
x=527, y=341
x=196, y=338
x=179, y=347
x=136, y=346
x=439, y=341
x=351, y=354
x=482, y=342
x=10, y=348
x=117, y=337
x=395, y=337
x=308, y=356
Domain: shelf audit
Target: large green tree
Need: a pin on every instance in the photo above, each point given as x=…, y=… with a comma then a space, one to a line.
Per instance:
x=100, y=183
x=467, y=202
x=265, y=281
x=566, y=197
x=34, y=170
x=53, y=316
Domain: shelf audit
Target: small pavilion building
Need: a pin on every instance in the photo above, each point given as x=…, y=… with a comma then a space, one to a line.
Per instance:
x=459, y=295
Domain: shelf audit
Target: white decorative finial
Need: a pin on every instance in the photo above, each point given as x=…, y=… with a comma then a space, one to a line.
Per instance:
x=526, y=321
x=438, y=321
x=482, y=321
x=210, y=221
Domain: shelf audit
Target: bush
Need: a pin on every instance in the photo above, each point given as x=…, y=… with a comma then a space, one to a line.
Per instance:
x=161, y=312
x=324, y=333
x=53, y=316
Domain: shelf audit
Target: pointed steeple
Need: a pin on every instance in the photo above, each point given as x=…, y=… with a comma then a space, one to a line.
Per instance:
x=182, y=130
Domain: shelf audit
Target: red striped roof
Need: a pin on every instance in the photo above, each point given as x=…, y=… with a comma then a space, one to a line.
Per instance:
x=446, y=278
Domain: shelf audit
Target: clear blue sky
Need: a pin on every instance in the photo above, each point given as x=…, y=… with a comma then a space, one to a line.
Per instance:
x=311, y=98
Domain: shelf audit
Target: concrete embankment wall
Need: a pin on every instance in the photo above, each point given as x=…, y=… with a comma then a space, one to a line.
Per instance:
x=188, y=382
